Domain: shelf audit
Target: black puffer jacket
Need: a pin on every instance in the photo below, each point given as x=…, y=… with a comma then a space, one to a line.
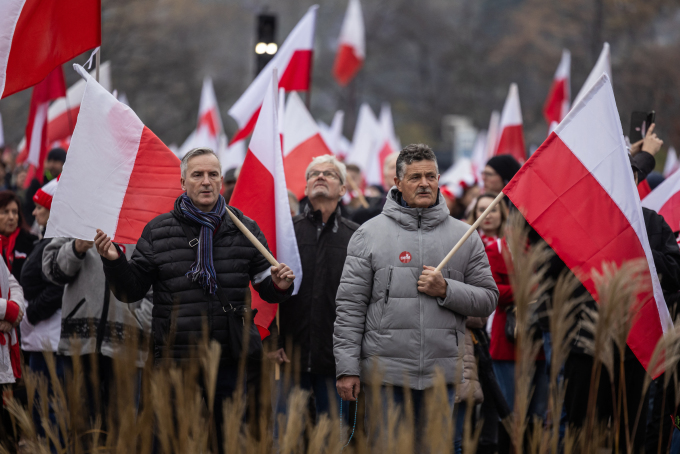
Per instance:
x=43, y=296
x=162, y=259
x=307, y=319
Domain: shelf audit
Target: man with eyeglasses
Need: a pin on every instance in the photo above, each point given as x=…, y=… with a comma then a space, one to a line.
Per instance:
x=306, y=320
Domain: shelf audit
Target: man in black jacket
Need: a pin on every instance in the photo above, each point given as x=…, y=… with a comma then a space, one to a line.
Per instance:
x=306, y=321
x=198, y=291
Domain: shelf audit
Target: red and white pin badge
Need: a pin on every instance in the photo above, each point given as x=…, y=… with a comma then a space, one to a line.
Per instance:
x=405, y=257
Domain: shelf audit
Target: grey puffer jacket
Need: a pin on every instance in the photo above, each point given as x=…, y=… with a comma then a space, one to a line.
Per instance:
x=382, y=320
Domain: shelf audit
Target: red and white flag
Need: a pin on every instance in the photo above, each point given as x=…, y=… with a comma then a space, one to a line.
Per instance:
x=351, y=46
x=118, y=175
x=209, y=131
x=302, y=142
x=52, y=87
x=567, y=208
x=492, y=135
x=364, y=139
x=665, y=200
x=36, y=36
x=557, y=104
x=294, y=62
x=261, y=194
x=333, y=137
x=63, y=113
x=511, y=135
x=386, y=143
x=602, y=66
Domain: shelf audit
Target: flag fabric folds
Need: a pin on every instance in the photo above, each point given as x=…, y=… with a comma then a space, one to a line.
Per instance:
x=665, y=200
x=302, y=142
x=557, y=104
x=118, y=175
x=351, y=46
x=603, y=65
x=511, y=134
x=36, y=36
x=261, y=194
x=294, y=63
x=578, y=178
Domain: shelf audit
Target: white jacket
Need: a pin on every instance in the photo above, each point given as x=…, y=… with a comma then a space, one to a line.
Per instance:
x=10, y=290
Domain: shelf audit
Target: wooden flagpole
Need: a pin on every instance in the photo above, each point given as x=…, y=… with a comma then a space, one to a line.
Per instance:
x=97, y=60
x=473, y=228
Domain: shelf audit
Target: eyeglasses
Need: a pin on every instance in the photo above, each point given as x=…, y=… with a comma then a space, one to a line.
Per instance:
x=326, y=173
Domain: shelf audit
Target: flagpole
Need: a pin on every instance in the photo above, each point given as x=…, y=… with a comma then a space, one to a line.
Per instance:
x=96, y=74
x=471, y=230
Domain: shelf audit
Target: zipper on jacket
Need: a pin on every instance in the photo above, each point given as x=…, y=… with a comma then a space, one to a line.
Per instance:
x=389, y=281
x=420, y=308
x=419, y=218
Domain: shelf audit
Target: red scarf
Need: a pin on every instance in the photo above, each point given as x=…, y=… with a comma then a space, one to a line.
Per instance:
x=7, y=247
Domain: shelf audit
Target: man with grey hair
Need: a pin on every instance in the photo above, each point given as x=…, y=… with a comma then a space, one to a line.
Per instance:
x=395, y=314
x=200, y=265
x=306, y=321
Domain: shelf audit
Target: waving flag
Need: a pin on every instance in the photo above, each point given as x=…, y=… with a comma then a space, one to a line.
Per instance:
x=209, y=131
x=36, y=36
x=352, y=45
x=603, y=65
x=365, y=136
x=511, y=135
x=118, y=175
x=333, y=137
x=294, y=62
x=52, y=87
x=671, y=164
x=557, y=104
x=665, y=200
x=559, y=205
x=385, y=144
x=261, y=194
x=301, y=143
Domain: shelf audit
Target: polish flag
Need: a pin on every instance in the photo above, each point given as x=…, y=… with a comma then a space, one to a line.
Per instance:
x=37, y=36
x=294, y=59
x=209, y=130
x=52, y=87
x=671, y=164
x=261, y=194
x=644, y=189
x=302, y=142
x=352, y=45
x=118, y=174
x=602, y=66
x=567, y=207
x=665, y=200
x=557, y=104
x=333, y=137
x=479, y=158
x=492, y=135
x=365, y=136
x=386, y=143
x=511, y=136
x=63, y=113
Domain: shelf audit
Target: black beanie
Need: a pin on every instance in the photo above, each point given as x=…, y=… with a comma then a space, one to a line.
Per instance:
x=57, y=154
x=505, y=165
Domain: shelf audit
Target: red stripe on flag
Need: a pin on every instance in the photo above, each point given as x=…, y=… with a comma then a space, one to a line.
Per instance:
x=295, y=164
x=152, y=189
x=62, y=126
x=512, y=143
x=643, y=189
x=346, y=65
x=247, y=129
x=552, y=111
x=298, y=73
x=671, y=211
x=49, y=33
x=560, y=207
x=254, y=195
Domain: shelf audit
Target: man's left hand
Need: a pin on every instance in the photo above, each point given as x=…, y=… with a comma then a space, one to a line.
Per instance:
x=282, y=276
x=432, y=282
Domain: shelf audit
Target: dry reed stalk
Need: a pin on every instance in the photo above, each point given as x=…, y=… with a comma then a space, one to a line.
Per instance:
x=292, y=439
x=438, y=416
x=528, y=284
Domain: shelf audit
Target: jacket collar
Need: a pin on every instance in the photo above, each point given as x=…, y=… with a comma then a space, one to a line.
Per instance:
x=226, y=225
x=408, y=217
x=316, y=218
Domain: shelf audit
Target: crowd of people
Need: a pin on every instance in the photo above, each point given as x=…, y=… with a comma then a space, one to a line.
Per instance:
x=371, y=303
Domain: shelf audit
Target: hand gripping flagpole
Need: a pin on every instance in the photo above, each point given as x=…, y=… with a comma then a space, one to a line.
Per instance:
x=470, y=231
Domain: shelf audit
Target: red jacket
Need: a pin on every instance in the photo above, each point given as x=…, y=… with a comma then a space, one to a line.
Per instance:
x=501, y=348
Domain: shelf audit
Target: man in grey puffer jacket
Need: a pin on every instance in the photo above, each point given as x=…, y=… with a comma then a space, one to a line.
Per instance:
x=393, y=310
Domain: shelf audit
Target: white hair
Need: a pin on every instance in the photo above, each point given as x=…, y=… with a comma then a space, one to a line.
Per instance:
x=192, y=154
x=328, y=159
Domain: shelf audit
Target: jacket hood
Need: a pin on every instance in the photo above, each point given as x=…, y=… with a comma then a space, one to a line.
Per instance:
x=408, y=218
